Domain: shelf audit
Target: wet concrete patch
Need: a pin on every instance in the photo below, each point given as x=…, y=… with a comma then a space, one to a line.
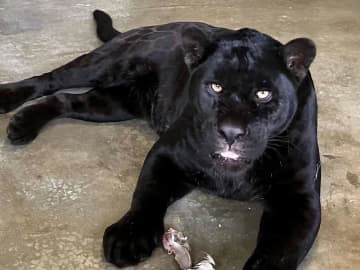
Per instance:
x=15, y=25
x=353, y=179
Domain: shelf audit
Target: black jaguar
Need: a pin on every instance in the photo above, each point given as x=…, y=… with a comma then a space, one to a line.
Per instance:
x=236, y=115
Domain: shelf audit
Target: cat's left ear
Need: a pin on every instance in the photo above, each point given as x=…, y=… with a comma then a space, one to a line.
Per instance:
x=298, y=54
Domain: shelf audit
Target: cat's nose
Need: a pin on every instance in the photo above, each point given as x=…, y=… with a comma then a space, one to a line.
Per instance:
x=231, y=132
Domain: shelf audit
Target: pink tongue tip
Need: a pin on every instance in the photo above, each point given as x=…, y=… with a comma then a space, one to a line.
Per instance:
x=229, y=154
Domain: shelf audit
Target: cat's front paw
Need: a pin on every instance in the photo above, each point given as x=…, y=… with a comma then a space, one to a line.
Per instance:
x=132, y=239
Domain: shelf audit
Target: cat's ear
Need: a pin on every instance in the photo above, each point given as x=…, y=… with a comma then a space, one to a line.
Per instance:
x=197, y=47
x=298, y=54
x=197, y=52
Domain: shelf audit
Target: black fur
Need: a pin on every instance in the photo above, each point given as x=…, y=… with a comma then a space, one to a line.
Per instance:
x=236, y=113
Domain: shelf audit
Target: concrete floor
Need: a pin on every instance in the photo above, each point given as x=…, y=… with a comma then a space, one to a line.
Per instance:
x=59, y=193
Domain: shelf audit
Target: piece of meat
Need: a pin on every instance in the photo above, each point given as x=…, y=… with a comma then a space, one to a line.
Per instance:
x=207, y=263
x=175, y=243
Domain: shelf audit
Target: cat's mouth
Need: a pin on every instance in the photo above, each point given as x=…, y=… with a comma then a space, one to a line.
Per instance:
x=229, y=156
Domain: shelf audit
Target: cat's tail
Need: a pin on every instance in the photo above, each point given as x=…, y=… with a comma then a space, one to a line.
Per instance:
x=104, y=27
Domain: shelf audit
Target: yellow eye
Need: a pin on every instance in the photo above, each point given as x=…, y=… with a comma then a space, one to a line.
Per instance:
x=216, y=87
x=263, y=95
